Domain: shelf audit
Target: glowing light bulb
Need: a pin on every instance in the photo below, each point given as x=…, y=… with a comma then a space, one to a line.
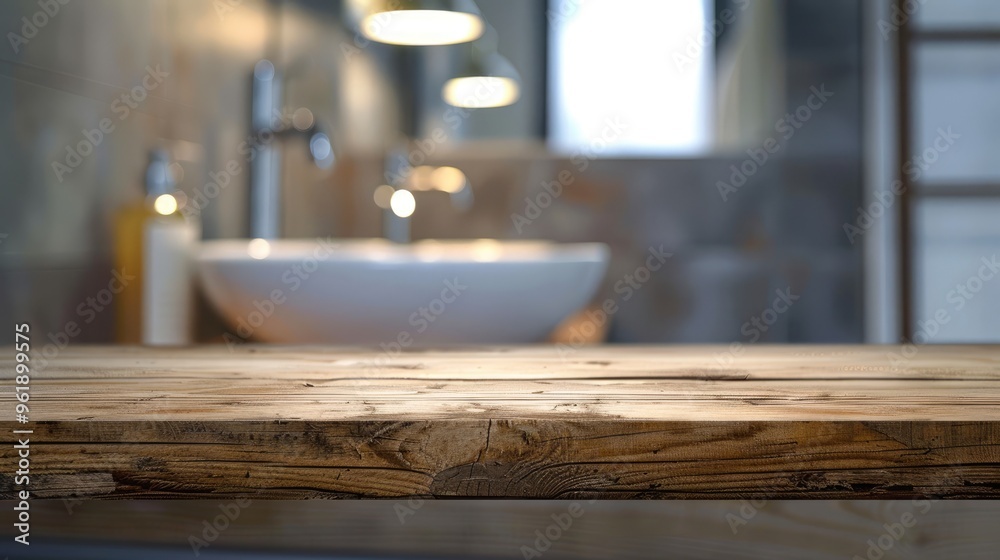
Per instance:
x=480, y=92
x=165, y=204
x=422, y=27
x=403, y=204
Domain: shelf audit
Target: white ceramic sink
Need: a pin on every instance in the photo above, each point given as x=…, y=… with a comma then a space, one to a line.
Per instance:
x=374, y=292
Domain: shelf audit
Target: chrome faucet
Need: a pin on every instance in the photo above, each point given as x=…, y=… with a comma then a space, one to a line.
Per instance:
x=268, y=124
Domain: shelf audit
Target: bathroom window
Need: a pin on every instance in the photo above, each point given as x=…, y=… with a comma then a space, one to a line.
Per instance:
x=630, y=82
x=951, y=173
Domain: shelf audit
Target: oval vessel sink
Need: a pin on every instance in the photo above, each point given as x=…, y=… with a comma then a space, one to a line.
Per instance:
x=375, y=292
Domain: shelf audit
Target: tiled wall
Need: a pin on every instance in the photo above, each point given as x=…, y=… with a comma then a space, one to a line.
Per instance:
x=71, y=74
x=782, y=230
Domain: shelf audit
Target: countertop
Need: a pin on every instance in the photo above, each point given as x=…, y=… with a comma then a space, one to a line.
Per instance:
x=523, y=422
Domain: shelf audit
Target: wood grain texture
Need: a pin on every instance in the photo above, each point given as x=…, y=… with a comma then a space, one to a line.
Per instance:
x=533, y=422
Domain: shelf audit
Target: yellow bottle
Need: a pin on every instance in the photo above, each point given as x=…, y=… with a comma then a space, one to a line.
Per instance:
x=140, y=228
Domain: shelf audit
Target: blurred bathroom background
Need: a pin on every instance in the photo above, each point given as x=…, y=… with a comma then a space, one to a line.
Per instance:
x=661, y=114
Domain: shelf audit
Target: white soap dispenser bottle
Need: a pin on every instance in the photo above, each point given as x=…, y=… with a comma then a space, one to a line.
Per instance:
x=169, y=242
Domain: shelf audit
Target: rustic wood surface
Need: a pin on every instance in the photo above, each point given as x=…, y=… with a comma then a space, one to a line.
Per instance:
x=530, y=422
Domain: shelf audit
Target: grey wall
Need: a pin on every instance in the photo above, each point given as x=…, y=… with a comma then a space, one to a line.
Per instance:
x=70, y=75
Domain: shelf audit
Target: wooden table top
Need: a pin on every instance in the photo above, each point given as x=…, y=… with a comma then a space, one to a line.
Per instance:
x=529, y=422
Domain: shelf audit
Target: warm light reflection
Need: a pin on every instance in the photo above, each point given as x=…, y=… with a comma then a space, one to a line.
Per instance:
x=165, y=204
x=403, y=204
x=383, y=196
x=429, y=251
x=244, y=29
x=259, y=249
x=478, y=92
x=421, y=178
x=448, y=179
x=422, y=27
x=486, y=250
x=302, y=119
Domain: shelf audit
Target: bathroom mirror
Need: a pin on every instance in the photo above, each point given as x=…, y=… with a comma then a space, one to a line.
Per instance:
x=685, y=78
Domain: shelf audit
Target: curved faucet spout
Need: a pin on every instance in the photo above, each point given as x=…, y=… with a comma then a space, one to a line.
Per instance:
x=267, y=124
